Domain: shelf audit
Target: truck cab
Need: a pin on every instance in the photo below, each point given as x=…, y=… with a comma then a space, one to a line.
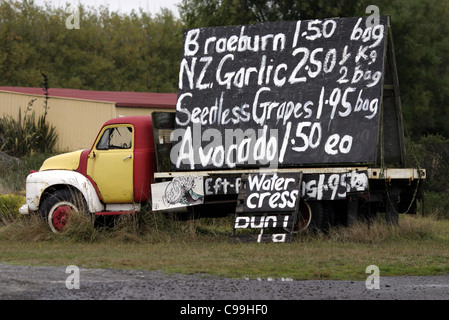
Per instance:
x=112, y=177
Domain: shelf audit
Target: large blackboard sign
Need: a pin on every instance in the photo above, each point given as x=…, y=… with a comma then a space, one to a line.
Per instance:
x=280, y=94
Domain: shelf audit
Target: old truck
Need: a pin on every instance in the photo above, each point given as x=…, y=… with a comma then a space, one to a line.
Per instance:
x=284, y=125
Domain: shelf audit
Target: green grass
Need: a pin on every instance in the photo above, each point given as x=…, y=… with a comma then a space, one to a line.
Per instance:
x=418, y=246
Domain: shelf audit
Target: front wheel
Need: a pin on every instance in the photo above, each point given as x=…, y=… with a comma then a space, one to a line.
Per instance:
x=57, y=209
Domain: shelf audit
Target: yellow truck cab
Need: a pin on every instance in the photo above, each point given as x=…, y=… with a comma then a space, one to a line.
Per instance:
x=112, y=177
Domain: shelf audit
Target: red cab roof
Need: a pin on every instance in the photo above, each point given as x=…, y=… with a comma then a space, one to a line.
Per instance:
x=121, y=99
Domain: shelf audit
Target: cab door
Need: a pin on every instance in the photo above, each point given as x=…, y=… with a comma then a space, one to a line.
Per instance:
x=110, y=163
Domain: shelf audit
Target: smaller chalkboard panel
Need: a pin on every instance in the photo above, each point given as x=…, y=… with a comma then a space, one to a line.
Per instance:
x=271, y=192
x=333, y=186
x=268, y=203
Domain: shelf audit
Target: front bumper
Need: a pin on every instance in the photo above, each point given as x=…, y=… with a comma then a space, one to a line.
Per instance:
x=24, y=209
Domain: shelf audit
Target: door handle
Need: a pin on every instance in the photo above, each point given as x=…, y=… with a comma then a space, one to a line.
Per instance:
x=128, y=157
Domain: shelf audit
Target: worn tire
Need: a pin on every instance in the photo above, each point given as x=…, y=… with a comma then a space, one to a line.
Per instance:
x=303, y=219
x=57, y=208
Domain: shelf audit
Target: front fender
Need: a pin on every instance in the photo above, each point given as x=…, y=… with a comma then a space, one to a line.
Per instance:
x=38, y=182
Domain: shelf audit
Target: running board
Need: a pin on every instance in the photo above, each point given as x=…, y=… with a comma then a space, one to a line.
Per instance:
x=119, y=208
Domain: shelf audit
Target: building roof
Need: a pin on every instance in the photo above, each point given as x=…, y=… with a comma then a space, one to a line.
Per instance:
x=121, y=99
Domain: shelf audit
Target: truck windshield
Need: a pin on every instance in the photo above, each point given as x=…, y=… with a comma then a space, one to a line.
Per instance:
x=116, y=138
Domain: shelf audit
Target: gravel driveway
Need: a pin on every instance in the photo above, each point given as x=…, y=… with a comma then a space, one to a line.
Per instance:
x=48, y=283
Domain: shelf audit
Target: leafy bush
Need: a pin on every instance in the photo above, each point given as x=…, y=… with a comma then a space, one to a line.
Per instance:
x=436, y=204
x=9, y=207
x=23, y=136
x=17, y=135
x=431, y=153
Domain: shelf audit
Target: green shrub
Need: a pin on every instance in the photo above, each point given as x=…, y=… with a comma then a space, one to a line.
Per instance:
x=431, y=152
x=17, y=136
x=23, y=136
x=9, y=207
x=436, y=204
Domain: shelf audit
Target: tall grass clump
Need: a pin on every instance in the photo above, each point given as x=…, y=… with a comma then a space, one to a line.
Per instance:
x=145, y=226
x=23, y=228
x=80, y=228
x=410, y=228
x=154, y=227
x=161, y=227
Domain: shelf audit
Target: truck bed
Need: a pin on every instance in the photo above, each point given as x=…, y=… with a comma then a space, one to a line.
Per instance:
x=373, y=173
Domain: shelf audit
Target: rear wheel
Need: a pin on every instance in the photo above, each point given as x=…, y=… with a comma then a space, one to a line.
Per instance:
x=57, y=209
x=310, y=215
x=304, y=217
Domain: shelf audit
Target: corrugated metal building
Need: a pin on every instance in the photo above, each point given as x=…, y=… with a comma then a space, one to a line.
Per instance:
x=79, y=114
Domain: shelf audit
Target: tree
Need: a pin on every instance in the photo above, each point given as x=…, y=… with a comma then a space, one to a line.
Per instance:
x=110, y=51
x=140, y=52
x=209, y=13
x=420, y=29
x=420, y=32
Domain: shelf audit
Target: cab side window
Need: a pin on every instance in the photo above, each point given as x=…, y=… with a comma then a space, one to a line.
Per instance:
x=116, y=138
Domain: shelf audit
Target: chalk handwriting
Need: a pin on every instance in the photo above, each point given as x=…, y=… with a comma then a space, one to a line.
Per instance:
x=323, y=186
